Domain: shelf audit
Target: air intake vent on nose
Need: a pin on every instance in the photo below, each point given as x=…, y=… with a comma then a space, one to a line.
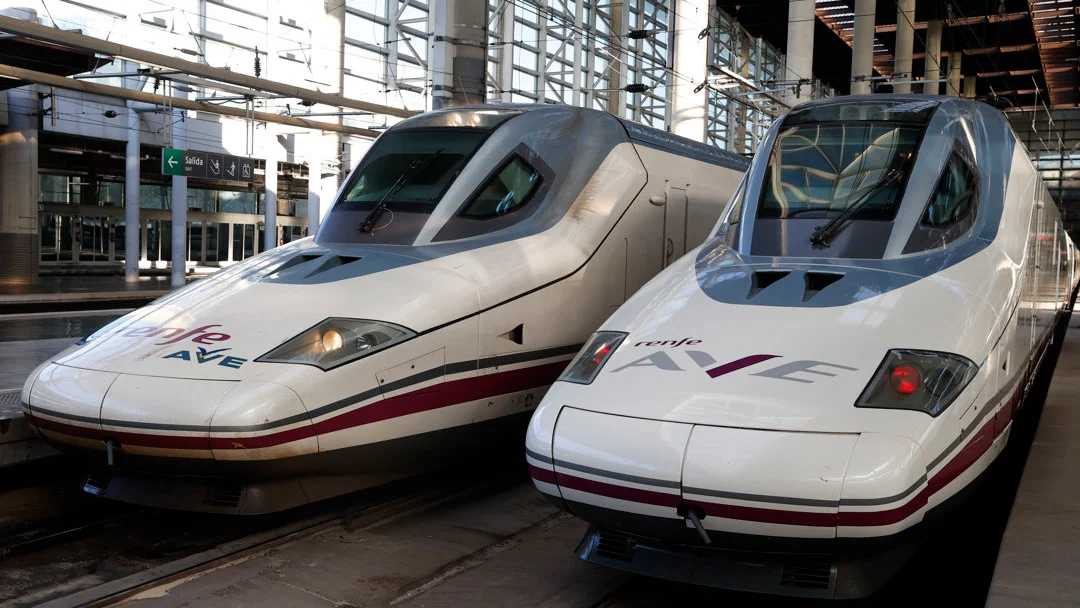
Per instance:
x=613, y=545
x=224, y=496
x=333, y=262
x=807, y=576
x=97, y=482
x=297, y=259
x=817, y=281
x=763, y=278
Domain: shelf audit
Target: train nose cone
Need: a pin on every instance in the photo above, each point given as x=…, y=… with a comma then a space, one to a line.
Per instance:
x=639, y=474
x=146, y=416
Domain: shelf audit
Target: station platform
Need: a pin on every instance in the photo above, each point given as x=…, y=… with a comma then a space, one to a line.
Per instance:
x=1039, y=560
x=18, y=442
x=72, y=292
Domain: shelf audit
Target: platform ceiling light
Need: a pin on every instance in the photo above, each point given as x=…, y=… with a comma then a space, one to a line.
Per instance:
x=71, y=151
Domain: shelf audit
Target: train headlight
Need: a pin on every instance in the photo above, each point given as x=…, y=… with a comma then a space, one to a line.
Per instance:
x=591, y=359
x=336, y=341
x=922, y=380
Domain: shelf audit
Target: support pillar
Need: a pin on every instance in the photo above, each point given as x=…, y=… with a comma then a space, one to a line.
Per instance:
x=969, y=86
x=620, y=28
x=458, y=55
x=932, y=60
x=689, y=108
x=506, y=53
x=740, y=108
x=800, y=48
x=905, y=40
x=179, y=199
x=132, y=156
x=314, y=197
x=953, y=88
x=270, y=197
x=19, y=191
x=19, y=243
x=862, y=50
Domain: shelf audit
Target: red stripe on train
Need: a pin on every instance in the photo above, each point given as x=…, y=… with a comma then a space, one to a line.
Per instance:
x=420, y=400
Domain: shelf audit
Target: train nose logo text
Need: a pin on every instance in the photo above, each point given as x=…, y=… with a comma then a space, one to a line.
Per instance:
x=801, y=371
x=172, y=335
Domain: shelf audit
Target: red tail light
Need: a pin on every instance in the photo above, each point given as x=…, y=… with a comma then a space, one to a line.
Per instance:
x=905, y=379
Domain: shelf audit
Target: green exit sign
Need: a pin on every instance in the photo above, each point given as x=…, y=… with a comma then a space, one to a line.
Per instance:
x=172, y=161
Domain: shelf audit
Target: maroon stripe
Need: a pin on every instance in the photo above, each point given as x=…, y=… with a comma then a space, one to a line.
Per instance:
x=738, y=364
x=768, y=516
x=611, y=490
x=420, y=400
x=173, y=442
x=886, y=517
x=971, y=452
x=544, y=475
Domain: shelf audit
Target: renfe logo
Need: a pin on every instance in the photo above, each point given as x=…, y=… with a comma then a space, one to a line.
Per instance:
x=172, y=335
x=670, y=343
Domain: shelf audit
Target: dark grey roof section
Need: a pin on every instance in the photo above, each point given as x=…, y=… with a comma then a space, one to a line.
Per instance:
x=655, y=138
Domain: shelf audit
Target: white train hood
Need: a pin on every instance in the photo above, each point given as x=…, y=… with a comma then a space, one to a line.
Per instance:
x=786, y=364
x=216, y=327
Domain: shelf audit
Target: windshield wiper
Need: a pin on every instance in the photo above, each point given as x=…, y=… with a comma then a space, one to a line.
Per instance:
x=368, y=225
x=825, y=232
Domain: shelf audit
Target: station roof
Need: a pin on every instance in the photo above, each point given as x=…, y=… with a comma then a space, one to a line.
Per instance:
x=45, y=57
x=1024, y=52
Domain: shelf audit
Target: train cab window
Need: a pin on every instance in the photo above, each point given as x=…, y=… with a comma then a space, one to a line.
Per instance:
x=853, y=172
x=508, y=190
x=508, y=195
x=952, y=207
x=405, y=174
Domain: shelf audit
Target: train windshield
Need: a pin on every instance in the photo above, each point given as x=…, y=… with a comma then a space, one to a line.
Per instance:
x=401, y=180
x=839, y=172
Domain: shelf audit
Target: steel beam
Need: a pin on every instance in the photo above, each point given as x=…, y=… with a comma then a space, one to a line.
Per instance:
x=89, y=43
x=7, y=71
x=966, y=21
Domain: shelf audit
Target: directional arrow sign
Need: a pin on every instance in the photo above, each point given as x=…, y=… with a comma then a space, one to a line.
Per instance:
x=172, y=161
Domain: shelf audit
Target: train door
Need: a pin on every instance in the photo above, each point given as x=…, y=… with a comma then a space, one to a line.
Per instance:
x=674, y=224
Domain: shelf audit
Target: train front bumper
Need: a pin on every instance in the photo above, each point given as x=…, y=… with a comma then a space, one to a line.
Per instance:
x=836, y=570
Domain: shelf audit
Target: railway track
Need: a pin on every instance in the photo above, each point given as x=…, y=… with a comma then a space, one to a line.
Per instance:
x=131, y=536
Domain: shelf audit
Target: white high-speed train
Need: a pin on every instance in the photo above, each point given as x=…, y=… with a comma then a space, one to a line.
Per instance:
x=784, y=407
x=466, y=259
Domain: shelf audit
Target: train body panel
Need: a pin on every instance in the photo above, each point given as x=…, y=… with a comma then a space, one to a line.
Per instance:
x=843, y=356
x=464, y=262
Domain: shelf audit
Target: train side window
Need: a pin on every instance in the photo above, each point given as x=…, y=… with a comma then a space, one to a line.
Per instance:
x=729, y=230
x=506, y=191
x=952, y=207
x=509, y=194
x=955, y=196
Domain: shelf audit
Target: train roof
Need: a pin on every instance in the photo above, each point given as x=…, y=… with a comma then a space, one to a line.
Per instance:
x=490, y=116
x=959, y=105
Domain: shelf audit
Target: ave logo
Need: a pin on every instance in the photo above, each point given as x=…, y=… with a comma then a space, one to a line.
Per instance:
x=796, y=371
x=202, y=356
